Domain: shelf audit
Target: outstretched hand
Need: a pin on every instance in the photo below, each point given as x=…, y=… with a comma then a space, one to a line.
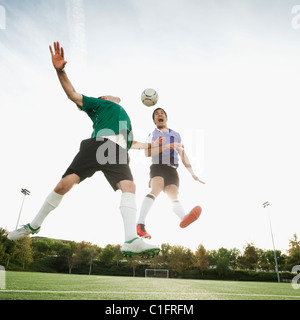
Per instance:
x=197, y=179
x=58, y=57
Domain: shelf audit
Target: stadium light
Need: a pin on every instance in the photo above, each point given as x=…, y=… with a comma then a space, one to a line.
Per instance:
x=266, y=204
x=26, y=193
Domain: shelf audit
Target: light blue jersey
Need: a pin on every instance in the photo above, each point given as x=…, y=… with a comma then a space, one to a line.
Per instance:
x=169, y=157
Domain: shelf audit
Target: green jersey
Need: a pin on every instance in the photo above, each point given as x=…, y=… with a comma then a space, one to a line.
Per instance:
x=108, y=118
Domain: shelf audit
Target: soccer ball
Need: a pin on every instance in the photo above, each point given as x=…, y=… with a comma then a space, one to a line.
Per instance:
x=149, y=97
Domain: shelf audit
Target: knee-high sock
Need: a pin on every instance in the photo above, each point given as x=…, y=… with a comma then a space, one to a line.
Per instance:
x=128, y=212
x=178, y=209
x=146, y=206
x=52, y=201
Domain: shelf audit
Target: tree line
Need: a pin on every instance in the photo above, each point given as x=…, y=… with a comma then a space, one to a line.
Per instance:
x=50, y=255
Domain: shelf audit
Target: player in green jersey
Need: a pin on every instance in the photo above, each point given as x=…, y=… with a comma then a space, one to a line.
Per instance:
x=106, y=151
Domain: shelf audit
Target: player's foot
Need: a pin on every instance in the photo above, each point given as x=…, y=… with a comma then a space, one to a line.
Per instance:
x=22, y=232
x=141, y=231
x=138, y=246
x=191, y=217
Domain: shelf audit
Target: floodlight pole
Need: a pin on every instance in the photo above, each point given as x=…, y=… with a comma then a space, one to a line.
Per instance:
x=266, y=204
x=26, y=193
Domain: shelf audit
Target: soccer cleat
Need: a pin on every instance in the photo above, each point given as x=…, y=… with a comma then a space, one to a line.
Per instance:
x=22, y=232
x=137, y=246
x=191, y=217
x=141, y=231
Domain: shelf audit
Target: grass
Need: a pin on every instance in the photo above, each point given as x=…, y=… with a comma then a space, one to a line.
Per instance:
x=42, y=286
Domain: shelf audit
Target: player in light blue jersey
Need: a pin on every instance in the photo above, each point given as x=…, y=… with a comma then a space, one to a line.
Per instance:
x=163, y=173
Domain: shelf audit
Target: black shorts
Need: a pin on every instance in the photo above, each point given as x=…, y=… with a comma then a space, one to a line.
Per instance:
x=168, y=173
x=105, y=156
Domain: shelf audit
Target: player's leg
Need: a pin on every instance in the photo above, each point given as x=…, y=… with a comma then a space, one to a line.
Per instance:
x=66, y=184
x=186, y=219
x=54, y=198
x=78, y=165
x=133, y=244
x=192, y=216
x=119, y=176
x=52, y=201
x=128, y=208
x=172, y=192
x=157, y=185
x=82, y=167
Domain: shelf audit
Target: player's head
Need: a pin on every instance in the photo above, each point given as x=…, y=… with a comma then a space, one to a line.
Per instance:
x=111, y=98
x=160, y=117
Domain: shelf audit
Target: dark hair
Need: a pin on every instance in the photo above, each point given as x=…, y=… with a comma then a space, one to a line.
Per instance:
x=158, y=109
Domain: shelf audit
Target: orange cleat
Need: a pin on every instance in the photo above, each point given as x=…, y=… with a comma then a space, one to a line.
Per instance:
x=141, y=231
x=191, y=217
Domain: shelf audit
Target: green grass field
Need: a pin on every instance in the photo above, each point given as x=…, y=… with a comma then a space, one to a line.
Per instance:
x=42, y=286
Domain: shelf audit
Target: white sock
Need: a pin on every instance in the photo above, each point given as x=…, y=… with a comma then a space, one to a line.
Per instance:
x=128, y=212
x=146, y=206
x=178, y=209
x=51, y=202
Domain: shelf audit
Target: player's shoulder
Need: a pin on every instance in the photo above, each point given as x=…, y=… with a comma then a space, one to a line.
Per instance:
x=89, y=102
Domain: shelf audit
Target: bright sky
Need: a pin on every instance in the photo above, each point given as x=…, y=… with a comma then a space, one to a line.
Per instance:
x=227, y=73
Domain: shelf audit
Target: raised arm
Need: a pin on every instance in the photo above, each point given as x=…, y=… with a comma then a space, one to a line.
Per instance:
x=59, y=63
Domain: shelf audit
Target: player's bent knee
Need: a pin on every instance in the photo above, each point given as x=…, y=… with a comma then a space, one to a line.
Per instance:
x=61, y=188
x=66, y=184
x=172, y=191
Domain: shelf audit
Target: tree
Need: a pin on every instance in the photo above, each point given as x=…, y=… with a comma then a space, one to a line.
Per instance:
x=68, y=251
x=92, y=251
x=221, y=260
x=43, y=247
x=161, y=260
x=108, y=254
x=3, y=254
x=249, y=259
x=233, y=257
x=133, y=263
x=180, y=258
x=222, y=266
x=165, y=251
x=25, y=251
x=7, y=248
x=85, y=254
x=267, y=260
x=118, y=254
x=212, y=257
x=201, y=258
x=293, y=252
x=281, y=260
